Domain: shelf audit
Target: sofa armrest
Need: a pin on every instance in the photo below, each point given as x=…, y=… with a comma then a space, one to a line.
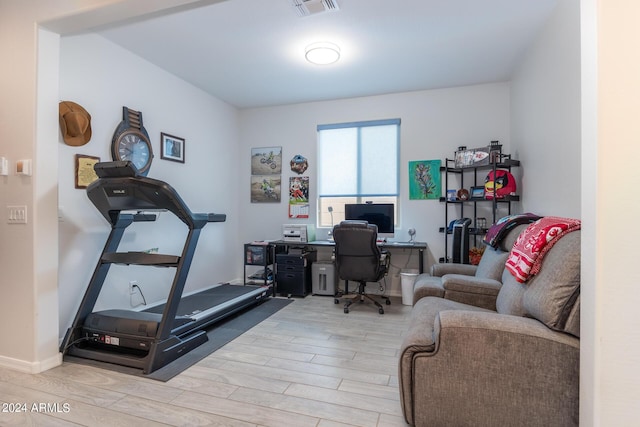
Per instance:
x=471, y=290
x=441, y=269
x=495, y=369
x=471, y=284
x=515, y=327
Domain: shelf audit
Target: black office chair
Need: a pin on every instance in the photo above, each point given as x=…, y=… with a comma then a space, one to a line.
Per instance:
x=359, y=259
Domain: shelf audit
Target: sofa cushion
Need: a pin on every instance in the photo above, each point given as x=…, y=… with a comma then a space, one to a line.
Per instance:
x=509, y=299
x=550, y=295
x=573, y=321
x=492, y=263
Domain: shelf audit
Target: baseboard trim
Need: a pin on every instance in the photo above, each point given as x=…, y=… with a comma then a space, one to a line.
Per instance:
x=31, y=367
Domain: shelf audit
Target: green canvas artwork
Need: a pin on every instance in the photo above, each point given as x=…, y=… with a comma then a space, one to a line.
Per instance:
x=424, y=180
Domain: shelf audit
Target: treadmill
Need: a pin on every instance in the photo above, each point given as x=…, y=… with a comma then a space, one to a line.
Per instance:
x=152, y=338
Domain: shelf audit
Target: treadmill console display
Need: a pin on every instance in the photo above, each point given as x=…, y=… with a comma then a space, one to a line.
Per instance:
x=115, y=169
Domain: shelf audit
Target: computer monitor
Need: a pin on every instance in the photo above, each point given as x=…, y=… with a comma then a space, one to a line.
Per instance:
x=380, y=214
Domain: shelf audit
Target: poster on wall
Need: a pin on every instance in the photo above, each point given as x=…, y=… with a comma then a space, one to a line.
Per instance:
x=265, y=188
x=424, y=180
x=266, y=161
x=299, y=197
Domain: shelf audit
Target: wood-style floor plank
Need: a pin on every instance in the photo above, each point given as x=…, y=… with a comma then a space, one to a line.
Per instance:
x=310, y=364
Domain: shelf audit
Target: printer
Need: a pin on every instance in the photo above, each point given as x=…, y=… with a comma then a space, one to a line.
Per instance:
x=298, y=233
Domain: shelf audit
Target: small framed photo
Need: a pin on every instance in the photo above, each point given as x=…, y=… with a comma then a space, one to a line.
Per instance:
x=85, y=174
x=171, y=147
x=477, y=193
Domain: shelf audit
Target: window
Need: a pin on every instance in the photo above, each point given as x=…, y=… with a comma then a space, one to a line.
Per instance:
x=357, y=163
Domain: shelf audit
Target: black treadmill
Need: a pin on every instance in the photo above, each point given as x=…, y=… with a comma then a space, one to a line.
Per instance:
x=148, y=339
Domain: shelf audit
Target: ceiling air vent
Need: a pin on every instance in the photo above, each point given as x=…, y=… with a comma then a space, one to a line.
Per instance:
x=312, y=7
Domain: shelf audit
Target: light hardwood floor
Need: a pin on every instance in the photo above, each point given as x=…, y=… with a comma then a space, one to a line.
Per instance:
x=308, y=365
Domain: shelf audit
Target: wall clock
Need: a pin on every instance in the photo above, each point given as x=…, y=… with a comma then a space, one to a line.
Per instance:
x=131, y=141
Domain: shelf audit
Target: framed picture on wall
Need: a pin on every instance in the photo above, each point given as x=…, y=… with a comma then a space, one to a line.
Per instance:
x=424, y=180
x=85, y=174
x=477, y=193
x=266, y=161
x=266, y=188
x=171, y=147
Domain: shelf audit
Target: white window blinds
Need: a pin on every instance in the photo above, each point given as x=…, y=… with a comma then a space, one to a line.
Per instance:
x=358, y=159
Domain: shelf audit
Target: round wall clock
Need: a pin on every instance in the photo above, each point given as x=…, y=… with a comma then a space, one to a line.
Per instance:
x=131, y=141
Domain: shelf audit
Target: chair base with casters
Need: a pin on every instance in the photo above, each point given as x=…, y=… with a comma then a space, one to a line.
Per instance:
x=360, y=296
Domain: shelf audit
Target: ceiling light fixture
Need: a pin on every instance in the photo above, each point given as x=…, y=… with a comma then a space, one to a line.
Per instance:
x=322, y=53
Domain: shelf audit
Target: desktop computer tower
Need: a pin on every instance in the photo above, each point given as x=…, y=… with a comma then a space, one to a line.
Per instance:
x=461, y=241
x=323, y=279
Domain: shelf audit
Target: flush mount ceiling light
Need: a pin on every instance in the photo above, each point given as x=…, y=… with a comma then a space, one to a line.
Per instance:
x=322, y=53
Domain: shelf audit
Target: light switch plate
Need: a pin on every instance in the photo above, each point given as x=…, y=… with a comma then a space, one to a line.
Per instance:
x=16, y=214
x=4, y=166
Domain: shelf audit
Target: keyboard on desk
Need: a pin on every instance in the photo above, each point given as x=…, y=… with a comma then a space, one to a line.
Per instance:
x=385, y=243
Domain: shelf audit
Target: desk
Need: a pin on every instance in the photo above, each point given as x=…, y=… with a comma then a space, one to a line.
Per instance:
x=420, y=246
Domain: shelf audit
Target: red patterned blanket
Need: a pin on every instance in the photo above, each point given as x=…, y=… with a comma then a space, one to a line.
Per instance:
x=533, y=243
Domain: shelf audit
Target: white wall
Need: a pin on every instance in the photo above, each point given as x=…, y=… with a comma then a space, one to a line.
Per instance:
x=590, y=402
x=434, y=123
x=586, y=60
x=611, y=322
x=28, y=126
x=545, y=117
x=103, y=77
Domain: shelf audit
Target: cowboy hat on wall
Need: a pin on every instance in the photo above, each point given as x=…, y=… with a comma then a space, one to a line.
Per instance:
x=75, y=123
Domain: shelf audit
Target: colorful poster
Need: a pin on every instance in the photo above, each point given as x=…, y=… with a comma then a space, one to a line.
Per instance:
x=299, y=197
x=424, y=180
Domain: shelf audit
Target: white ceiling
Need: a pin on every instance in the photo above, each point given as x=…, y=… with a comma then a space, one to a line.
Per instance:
x=250, y=53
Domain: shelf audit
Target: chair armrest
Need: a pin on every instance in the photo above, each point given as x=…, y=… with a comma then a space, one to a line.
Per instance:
x=502, y=368
x=440, y=270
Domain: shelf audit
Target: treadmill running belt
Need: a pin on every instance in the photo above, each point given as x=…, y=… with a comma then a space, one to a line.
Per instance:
x=201, y=301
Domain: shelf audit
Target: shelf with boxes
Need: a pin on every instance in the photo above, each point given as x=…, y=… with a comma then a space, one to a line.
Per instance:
x=259, y=263
x=483, y=188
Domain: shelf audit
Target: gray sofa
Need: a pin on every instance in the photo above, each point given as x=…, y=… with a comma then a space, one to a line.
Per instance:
x=471, y=284
x=514, y=362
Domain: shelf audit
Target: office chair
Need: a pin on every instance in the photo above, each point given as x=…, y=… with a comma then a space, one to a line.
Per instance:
x=359, y=259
